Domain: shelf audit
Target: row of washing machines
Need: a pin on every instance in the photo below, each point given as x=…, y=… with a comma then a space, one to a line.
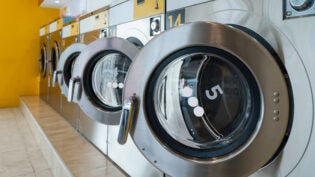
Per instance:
x=192, y=88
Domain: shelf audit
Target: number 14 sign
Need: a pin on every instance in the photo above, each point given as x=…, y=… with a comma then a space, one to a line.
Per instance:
x=175, y=18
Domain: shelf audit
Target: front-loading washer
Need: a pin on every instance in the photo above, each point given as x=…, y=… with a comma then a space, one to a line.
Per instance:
x=98, y=81
x=227, y=94
x=43, y=60
x=55, y=29
x=71, y=49
x=94, y=26
x=139, y=32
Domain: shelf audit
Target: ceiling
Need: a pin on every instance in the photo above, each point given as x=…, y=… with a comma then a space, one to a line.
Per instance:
x=54, y=3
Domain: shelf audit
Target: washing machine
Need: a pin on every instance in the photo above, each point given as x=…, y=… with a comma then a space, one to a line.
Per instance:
x=94, y=26
x=229, y=93
x=98, y=81
x=137, y=30
x=43, y=60
x=55, y=29
x=71, y=49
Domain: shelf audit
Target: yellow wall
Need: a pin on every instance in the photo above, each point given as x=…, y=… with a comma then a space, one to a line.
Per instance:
x=20, y=22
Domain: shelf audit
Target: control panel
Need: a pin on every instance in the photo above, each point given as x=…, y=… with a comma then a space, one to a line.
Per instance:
x=298, y=8
x=143, y=8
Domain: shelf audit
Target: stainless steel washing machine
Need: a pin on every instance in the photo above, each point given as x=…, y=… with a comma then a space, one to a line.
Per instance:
x=128, y=157
x=43, y=60
x=55, y=29
x=227, y=94
x=70, y=51
x=94, y=26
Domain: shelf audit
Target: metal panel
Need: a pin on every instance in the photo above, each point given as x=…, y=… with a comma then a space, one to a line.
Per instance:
x=53, y=27
x=174, y=4
x=94, y=22
x=92, y=5
x=147, y=8
x=55, y=44
x=44, y=79
x=121, y=13
x=128, y=157
x=93, y=131
x=295, y=49
x=71, y=112
x=42, y=31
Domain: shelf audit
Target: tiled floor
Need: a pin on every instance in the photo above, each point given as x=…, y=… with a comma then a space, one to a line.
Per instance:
x=20, y=155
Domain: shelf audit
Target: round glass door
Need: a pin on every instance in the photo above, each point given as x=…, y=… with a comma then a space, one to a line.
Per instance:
x=68, y=67
x=105, y=77
x=42, y=61
x=206, y=102
x=54, y=57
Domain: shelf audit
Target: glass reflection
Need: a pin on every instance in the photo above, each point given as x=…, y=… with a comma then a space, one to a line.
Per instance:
x=202, y=100
x=108, y=78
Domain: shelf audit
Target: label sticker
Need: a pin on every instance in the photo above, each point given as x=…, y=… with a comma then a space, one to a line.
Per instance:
x=74, y=28
x=175, y=18
x=59, y=24
x=101, y=20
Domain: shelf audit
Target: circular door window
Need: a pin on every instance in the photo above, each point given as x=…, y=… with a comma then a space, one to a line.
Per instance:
x=54, y=57
x=68, y=67
x=105, y=77
x=42, y=60
x=206, y=102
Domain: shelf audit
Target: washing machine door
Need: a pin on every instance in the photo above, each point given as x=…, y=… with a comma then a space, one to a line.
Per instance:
x=64, y=70
x=43, y=60
x=54, y=56
x=206, y=99
x=98, y=78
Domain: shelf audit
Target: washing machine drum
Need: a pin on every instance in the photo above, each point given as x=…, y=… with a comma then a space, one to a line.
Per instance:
x=99, y=74
x=210, y=100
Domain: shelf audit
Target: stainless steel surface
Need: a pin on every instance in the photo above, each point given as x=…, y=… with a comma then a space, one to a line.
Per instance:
x=70, y=111
x=66, y=54
x=93, y=27
x=127, y=116
x=222, y=37
x=285, y=38
x=127, y=156
x=72, y=84
x=55, y=49
x=121, y=13
x=298, y=8
x=94, y=132
x=295, y=50
x=100, y=45
x=172, y=5
x=43, y=82
x=140, y=29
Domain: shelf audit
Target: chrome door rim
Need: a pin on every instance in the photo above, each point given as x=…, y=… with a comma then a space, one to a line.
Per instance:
x=43, y=61
x=73, y=48
x=94, y=48
x=56, y=48
x=213, y=35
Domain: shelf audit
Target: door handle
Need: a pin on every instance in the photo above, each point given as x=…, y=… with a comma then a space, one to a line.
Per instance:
x=72, y=83
x=127, y=116
x=55, y=77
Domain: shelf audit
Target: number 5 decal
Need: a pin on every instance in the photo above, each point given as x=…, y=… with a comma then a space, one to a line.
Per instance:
x=214, y=92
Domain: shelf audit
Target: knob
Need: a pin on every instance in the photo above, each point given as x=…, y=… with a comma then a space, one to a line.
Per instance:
x=301, y=5
x=155, y=25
